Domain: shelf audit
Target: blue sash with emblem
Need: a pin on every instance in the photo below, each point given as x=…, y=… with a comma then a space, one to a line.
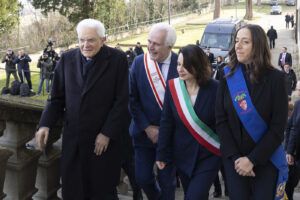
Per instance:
x=255, y=125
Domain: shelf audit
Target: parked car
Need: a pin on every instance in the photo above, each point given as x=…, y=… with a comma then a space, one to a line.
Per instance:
x=219, y=35
x=273, y=2
x=290, y=2
x=276, y=10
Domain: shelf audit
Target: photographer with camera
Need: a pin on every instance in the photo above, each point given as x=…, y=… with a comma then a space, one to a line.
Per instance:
x=23, y=67
x=10, y=66
x=45, y=64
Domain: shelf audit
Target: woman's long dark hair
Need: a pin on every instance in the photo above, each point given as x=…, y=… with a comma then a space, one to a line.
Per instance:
x=260, y=56
x=195, y=61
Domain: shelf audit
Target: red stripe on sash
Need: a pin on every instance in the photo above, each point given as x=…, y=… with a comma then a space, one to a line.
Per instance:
x=201, y=140
x=149, y=76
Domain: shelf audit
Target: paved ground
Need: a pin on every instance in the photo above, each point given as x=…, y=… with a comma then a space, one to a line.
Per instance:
x=285, y=39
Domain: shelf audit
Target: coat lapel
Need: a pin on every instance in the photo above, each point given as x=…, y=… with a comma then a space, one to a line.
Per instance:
x=78, y=68
x=101, y=65
x=173, y=67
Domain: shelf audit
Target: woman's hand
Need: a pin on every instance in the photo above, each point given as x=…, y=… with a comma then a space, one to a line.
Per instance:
x=161, y=165
x=244, y=167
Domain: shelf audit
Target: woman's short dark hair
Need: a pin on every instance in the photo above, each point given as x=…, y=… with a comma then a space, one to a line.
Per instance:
x=260, y=55
x=221, y=58
x=195, y=61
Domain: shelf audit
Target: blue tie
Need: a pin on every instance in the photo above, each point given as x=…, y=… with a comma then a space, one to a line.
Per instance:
x=160, y=65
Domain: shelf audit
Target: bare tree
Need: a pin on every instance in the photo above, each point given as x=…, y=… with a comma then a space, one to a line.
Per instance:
x=217, y=9
x=249, y=10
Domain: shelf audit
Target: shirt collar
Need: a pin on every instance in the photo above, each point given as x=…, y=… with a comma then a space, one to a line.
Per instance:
x=168, y=59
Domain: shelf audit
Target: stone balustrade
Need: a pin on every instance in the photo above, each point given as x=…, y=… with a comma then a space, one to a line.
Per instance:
x=26, y=173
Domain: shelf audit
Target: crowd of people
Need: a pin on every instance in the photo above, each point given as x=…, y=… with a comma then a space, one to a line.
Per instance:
x=18, y=66
x=171, y=111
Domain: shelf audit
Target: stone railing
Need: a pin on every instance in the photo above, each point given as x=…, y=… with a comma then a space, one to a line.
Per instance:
x=26, y=173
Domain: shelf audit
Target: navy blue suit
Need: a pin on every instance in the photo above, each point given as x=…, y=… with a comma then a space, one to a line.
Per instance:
x=145, y=111
x=197, y=166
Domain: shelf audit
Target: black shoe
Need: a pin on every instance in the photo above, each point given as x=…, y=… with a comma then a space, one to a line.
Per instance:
x=217, y=194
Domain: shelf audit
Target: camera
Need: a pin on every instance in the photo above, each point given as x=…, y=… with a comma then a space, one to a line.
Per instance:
x=9, y=56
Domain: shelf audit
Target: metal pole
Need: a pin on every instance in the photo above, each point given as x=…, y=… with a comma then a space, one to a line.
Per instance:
x=169, y=11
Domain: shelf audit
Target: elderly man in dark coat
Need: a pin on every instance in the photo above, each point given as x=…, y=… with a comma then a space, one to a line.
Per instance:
x=90, y=88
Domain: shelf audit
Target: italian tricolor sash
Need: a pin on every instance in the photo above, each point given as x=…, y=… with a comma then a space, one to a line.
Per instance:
x=155, y=79
x=201, y=132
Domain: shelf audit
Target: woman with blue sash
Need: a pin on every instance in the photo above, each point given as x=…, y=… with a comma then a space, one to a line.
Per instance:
x=251, y=113
x=188, y=124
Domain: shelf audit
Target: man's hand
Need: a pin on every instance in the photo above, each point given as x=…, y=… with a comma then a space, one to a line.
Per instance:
x=41, y=137
x=101, y=144
x=244, y=166
x=161, y=165
x=290, y=159
x=152, y=133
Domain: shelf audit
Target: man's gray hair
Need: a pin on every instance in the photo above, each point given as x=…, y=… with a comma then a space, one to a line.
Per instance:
x=171, y=33
x=91, y=23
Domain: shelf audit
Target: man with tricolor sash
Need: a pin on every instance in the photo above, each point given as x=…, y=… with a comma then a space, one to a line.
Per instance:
x=148, y=77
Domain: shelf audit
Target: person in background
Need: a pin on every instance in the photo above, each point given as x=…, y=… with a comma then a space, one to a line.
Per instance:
x=287, y=20
x=130, y=54
x=219, y=68
x=253, y=157
x=272, y=35
x=45, y=65
x=187, y=124
x=23, y=61
x=290, y=143
x=138, y=49
x=10, y=66
x=291, y=79
x=210, y=56
x=285, y=58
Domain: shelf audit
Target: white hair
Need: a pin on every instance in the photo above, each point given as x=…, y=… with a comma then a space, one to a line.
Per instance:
x=91, y=23
x=171, y=33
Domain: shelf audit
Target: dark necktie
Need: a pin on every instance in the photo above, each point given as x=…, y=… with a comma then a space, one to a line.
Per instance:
x=87, y=66
x=160, y=65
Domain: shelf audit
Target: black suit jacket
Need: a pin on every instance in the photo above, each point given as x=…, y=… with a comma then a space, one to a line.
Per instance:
x=288, y=59
x=269, y=97
x=97, y=105
x=210, y=57
x=292, y=137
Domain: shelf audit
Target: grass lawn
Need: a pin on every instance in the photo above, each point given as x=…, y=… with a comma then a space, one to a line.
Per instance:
x=192, y=33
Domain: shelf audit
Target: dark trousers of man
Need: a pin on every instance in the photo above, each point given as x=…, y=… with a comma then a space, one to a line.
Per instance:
x=260, y=187
x=272, y=43
x=27, y=76
x=217, y=183
x=8, y=73
x=287, y=24
x=292, y=182
x=145, y=177
x=197, y=186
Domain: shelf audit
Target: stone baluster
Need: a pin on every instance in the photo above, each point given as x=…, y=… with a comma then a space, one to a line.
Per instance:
x=48, y=175
x=4, y=155
x=25, y=165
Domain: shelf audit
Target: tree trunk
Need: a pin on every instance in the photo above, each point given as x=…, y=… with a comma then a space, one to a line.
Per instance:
x=258, y=2
x=217, y=9
x=249, y=11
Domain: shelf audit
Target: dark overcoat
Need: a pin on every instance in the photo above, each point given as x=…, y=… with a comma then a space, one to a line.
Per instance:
x=97, y=105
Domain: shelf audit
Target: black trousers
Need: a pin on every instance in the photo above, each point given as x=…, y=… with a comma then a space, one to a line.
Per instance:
x=262, y=186
x=8, y=73
x=272, y=43
x=292, y=182
x=27, y=76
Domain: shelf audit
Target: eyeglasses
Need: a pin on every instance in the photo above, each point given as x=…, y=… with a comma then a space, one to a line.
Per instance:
x=89, y=41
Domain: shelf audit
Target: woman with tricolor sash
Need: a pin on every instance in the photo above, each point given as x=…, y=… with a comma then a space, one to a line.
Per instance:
x=188, y=124
x=251, y=113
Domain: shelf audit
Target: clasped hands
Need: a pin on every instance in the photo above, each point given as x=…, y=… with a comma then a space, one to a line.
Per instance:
x=244, y=167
